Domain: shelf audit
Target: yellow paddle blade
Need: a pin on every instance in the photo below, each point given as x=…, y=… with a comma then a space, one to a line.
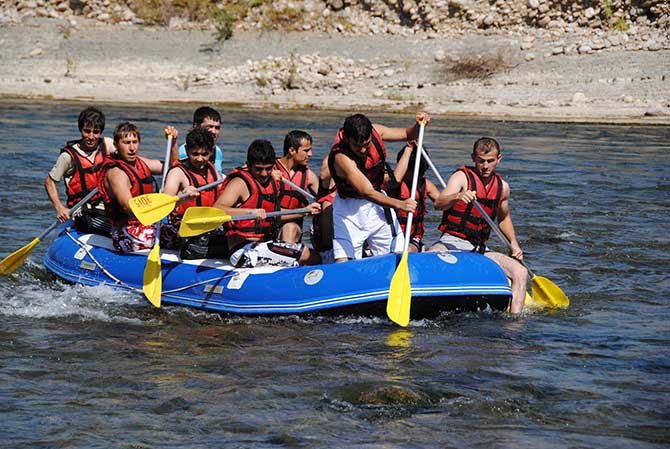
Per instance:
x=548, y=294
x=400, y=294
x=198, y=220
x=10, y=263
x=152, y=207
x=153, y=277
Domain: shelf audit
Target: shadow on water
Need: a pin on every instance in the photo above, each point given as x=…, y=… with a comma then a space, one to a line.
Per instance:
x=92, y=367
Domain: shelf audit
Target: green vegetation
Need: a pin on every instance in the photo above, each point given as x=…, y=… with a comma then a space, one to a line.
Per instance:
x=223, y=14
x=620, y=23
x=224, y=23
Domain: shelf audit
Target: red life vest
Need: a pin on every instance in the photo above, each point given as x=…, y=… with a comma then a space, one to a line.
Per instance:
x=85, y=173
x=371, y=165
x=418, y=226
x=290, y=198
x=463, y=219
x=260, y=197
x=207, y=197
x=141, y=182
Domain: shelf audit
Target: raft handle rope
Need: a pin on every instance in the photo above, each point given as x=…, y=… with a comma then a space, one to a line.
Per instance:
x=118, y=281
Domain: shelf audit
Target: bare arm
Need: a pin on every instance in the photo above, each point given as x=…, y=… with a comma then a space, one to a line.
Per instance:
x=456, y=190
x=400, y=169
x=347, y=168
x=312, y=182
x=155, y=165
x=236, y=192
x=117, y=184
x=62, y=212
x=400, y=134
x=324, y=175
x=176, y=182
x=432, y=191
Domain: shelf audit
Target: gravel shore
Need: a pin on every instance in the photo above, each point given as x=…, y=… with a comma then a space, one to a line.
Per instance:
x=537, y=76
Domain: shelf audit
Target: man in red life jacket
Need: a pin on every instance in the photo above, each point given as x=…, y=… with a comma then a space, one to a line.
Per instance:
x=78, y=165
x=293, y=165
x=357, y=165
x=464, y=228
x=124, y=176
x=254, y=190
x=404, y=171
x=185, y=176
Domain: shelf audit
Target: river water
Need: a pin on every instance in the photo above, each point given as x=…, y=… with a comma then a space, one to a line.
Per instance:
x=85, y=367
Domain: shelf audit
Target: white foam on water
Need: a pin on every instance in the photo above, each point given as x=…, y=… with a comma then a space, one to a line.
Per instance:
x=53, y=299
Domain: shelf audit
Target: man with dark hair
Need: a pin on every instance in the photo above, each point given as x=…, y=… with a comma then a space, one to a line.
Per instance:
x=293, y=166
x=253, y=190
x=209, y=119
x=361, y=211
x=463, y=226
x=78, y=165
x=185, y=176
x=126, y=175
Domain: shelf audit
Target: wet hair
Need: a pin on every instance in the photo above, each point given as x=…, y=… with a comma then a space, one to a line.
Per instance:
x=486, y=145
x=124, y=129
x=357, y=128
x=294, y=138
x=204, y=112
x=423, y=165
x=91, y=117
x=199, y=138
x=260, y=151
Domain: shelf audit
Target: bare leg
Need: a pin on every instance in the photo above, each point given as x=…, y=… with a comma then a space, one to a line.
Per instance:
x=290, y=233
x=517, y=273
x=309, y=257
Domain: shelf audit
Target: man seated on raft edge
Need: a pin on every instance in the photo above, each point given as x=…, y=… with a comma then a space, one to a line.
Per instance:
x=252, y=189
x=78, y=165
x=124, y=176
x=464, y=228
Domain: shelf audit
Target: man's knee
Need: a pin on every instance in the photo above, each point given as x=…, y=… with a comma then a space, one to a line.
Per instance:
x=290, y=233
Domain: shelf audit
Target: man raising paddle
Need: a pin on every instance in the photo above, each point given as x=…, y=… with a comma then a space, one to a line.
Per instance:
x=360, y=209
x=464, y=228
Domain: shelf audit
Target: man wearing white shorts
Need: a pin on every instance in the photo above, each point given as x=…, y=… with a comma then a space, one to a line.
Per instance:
x=357, y=220
x=357, y=165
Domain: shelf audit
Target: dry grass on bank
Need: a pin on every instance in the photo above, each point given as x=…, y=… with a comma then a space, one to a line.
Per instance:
x=477, y=67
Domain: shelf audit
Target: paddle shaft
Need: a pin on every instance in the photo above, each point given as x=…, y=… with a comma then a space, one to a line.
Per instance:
x=415, y=182
x=276, y=213
x=481, y=210
x=300, y=190
x=205, y=187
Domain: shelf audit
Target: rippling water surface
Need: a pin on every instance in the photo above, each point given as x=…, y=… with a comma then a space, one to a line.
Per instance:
x=85, y=367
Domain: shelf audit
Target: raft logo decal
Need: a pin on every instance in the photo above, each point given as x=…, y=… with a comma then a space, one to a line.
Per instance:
x=313, y=277
x=447, y=257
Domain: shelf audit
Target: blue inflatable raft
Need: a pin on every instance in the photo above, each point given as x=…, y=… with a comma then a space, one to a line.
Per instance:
x=439, y=281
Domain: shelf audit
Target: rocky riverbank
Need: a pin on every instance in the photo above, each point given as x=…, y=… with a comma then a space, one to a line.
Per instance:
x=503, y=60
